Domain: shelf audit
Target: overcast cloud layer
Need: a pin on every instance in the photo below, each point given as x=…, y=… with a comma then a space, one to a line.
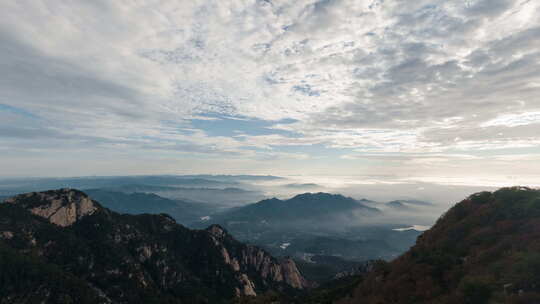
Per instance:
x=423, y=90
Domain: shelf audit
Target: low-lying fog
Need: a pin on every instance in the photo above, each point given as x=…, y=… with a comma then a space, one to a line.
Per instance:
x=311, y=225
x=225, y=191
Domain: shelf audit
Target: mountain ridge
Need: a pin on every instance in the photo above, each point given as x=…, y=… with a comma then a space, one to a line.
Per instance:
x=137, y=203
x=130, y=258
x=302, y=206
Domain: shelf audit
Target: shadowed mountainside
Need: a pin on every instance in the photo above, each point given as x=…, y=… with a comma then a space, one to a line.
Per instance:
x=320, y=224
x=61, y=246
x=301, y=207
x=486, y=249
x=183, y=212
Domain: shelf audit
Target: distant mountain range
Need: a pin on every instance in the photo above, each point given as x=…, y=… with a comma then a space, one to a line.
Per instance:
x=183, y=212
x=398, y=205
x=316, y=224
x=222, y=191
x=223, y=177
x=302, y=207
x=14, y=186
x=219, y=198
x=408, y=204
x=63, y=247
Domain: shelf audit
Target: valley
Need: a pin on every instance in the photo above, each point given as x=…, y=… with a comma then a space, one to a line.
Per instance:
x=326, y=234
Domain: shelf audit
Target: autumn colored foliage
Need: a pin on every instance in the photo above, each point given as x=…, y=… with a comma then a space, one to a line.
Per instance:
x=486, y=249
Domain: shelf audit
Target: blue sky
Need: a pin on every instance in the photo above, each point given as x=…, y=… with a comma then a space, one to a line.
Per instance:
x=422, y=90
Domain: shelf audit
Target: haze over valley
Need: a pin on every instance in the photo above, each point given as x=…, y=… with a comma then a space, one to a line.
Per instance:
x=325, y=231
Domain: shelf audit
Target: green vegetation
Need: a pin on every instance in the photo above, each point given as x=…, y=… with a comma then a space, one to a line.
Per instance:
x=20, y=274
x=485, y=249
x=125, y=258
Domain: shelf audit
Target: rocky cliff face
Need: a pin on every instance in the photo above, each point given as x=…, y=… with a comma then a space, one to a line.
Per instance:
x=253, y=259
x=127, y=258
x=61, y=207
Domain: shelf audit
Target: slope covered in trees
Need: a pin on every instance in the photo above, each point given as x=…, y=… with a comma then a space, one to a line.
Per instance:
x=486, y=249
x=62, y=247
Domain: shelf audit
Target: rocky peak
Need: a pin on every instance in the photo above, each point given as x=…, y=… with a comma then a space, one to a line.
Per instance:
x=153, y=254
x=251, y=259
x=292, y=275
x=217, y=231
x=62, y=207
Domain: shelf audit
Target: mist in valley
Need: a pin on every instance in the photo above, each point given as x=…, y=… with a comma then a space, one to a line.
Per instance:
x=222, y=192
x=328, y=224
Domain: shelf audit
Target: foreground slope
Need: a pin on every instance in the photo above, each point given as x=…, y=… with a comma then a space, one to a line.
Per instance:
x=62, y=247
x=486, y=249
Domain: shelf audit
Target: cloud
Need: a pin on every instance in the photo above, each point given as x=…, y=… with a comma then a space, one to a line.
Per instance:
x=514, y=120
x=170, y=77
x=488, y=8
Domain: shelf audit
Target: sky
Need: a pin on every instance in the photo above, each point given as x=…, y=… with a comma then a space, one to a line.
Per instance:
x=432, y=91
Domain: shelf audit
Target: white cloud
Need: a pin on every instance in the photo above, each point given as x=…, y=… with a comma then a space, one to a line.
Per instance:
x=514, y=120
x=368, y=75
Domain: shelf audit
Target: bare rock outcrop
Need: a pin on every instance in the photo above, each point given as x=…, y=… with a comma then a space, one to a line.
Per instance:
x=150, y=254
x=291, y=274
x=249, y=258
x=61, y=207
